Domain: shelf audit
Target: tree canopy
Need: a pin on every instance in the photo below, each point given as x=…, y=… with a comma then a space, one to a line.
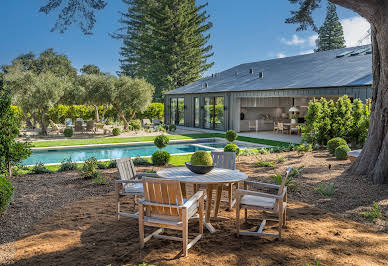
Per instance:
x=330, y=34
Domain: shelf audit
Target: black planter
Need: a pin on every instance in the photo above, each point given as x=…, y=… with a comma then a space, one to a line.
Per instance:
x=199, y=169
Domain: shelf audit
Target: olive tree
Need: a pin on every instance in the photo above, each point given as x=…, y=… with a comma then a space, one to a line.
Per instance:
x=131, y=95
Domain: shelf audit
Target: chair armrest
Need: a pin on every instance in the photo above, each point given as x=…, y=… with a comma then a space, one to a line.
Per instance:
x=128, y=181
x=261, y=184
x=241, y=192
x=147, y=174
x=193, y=199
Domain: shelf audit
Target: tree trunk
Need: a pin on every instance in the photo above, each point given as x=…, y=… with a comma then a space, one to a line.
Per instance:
x=373, y=160
x=43, y=124
x=122, y=116
x=97, y=116
x=104, y=109
x=132, y=115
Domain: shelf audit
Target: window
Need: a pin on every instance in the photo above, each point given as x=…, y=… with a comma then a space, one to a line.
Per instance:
x=214, y=115
x=196, y=112
x=177, y=111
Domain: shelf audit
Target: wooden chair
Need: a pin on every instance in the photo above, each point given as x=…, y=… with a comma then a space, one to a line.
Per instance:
x=294, y=128
x=90, y=126
x=226, y=160
x=129, y=184
x=78, y=127
x=275, y=127
x=54, y=127
x=163, y=206
x=280, y=127
x=274, y=204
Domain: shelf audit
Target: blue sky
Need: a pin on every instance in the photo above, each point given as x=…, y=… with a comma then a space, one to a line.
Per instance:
x=244, y=31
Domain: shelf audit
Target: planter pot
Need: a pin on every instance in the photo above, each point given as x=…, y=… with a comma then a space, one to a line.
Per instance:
x=293, y=121
x=199, y=169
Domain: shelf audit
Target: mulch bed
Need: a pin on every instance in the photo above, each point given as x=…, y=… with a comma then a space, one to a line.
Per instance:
x=61, y=219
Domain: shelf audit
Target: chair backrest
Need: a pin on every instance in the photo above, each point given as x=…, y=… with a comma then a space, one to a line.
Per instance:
x=284, y=181
x=53, y=125
x=90, y=125
x=80, y=119
x=78, y=126
x=158, y=190
x=226, y=160
x=280, y=125
x=126, y=168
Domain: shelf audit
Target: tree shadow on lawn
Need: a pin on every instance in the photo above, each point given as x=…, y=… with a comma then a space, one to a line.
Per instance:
x=86, y=233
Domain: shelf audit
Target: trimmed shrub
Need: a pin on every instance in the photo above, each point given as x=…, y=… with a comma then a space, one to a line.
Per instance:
x=304, y=148
x=201, y=158
x=160, y=158
x=6, y=193
x=161, y=141
x=172, y=128
x=232, y=148
x=89, y=169
x=135, y=124
x=67, y=165
x=116, y=131
x=39, y=168
x=140, y=161
x=68, y=132
x=334, y=143
x=231, y=135
x=112, y=164
x=341, y=152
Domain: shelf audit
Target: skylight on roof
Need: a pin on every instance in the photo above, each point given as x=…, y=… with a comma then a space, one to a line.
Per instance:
x=344, y=53
x=359, y=51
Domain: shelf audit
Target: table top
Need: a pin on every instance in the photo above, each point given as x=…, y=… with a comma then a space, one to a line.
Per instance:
x=216, y=176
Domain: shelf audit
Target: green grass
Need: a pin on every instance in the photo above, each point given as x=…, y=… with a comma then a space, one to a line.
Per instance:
x=70, y=142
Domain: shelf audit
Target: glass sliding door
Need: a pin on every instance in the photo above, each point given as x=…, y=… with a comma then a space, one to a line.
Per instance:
x=196, y=112
x=219, y=122
x=214, y=115
x=181, y=112
x=177, y=111
x=173, y=110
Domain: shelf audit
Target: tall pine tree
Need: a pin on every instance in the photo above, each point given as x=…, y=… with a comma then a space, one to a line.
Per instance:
x=165, y=41
x=330, y=35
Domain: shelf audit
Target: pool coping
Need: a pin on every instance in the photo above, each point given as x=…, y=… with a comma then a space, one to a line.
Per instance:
x=202, y=140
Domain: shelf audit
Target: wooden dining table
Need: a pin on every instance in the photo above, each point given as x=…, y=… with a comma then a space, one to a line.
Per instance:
x=215, y=179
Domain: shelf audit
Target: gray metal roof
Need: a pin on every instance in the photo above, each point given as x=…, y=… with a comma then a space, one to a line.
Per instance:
x=322, y=69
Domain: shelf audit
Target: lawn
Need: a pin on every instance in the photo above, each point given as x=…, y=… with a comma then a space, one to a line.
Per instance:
x=71, y=142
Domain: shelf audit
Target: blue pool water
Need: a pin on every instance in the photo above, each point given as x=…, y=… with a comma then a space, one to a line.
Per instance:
x=113, y=152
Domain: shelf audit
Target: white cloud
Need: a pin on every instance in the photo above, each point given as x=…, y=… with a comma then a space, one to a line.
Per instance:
x=307, y=52
x=355, y=29
x=280, y=55
x=312, y=39
x=294, y=41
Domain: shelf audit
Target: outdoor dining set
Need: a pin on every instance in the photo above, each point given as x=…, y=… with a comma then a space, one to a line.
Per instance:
x=79, y=126
x=163, y=201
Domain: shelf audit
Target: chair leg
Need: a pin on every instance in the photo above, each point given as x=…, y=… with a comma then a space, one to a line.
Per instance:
x=141, y=226
x=230, y=196
x=117, y=190
x=200, y=214
x=280, y=226
x=238, y=217
x=185, y=231
x=284, y=217
x=246, y=215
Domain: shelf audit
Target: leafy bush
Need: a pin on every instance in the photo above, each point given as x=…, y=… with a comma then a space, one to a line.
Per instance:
x=296, y=172
x=67, y=165
x=264, y=151
x=116, y=131
x=172, y=128
x=328, y=119
x=341, y=153
x=160, y=158
x=161, y=141
x=135, y=124
x=89, y=169
x=154, y=111
x=334, y=143
x=68, y=132
x=231, y=135
x=6, y=193
x=140, y=161
x=304, y=148
x=101, y=165
x=373, y=214
x=201, y=158
x=247, y=152
x=39, y=168
x=112, y=164
x=99, y=180
x=265, y=164
x=326, y=190
x=232, y=148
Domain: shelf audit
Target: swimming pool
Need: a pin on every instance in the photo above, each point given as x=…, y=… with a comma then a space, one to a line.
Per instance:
x=109, y=152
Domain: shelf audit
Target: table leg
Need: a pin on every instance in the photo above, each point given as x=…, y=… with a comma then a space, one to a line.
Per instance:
x=218, y=200
x=208, y=209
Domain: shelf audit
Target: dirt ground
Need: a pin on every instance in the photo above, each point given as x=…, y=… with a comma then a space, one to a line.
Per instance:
x=65, y=220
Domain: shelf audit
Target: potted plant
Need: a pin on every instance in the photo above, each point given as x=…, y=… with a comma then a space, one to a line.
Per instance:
x=293, y=118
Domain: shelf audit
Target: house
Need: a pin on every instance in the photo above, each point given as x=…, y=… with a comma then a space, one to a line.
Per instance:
x=252, y=96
